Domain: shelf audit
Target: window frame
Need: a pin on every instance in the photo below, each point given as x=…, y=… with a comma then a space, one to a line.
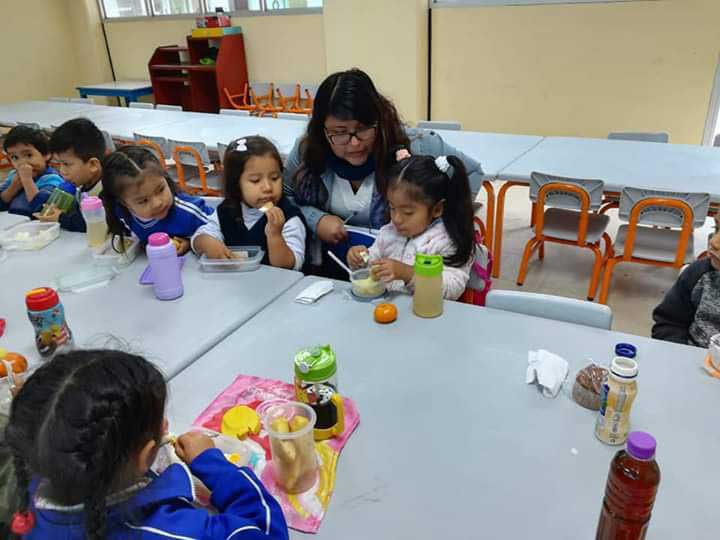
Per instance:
x=441, y=4
x=204, y=11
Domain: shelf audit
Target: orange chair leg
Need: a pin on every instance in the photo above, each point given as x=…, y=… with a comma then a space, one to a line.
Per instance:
x=609, y=266
x=531, y=245
x=597, y=268
x=541, y=251
x=607, y=207
x=490, y=214
x=609, y=251
x=499, y=218
x=533, y=209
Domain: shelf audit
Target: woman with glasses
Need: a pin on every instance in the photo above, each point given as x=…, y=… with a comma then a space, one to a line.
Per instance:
x=337, y=172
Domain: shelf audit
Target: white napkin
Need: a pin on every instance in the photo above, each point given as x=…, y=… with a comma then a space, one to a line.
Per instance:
x=314, y=292
x=549, y=369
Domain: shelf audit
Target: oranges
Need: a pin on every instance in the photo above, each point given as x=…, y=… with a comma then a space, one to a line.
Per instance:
x=385, y=313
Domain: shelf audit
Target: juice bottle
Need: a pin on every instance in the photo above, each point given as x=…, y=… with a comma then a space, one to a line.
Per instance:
x=616, y=399
x=428, y=296
x=630, y=491
x=94, y=214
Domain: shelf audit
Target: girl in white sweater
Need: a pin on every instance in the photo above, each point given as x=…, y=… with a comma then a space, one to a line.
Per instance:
x=430, y=212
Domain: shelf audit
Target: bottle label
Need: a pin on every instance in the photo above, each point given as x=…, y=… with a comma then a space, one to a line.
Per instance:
x=613, y=422
x=52, y=333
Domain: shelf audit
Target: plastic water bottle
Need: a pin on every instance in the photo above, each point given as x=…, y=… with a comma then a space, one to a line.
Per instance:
x=632, y=484
x=164, y=266
x=94, y=214
x=47, y=315
x=428, y=296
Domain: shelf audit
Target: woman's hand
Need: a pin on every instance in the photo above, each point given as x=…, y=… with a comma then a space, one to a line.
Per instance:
x=357, y=257
x=331, y=229
x=190, y=445
x=388, y=270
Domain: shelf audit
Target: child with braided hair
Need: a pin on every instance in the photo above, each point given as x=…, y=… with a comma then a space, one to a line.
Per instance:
x=84, y=430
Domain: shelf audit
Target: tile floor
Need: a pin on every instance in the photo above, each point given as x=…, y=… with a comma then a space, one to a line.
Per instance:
x=636, y=289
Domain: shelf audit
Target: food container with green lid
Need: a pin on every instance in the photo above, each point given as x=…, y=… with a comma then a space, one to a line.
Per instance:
x=428, y=296
x=316, y=383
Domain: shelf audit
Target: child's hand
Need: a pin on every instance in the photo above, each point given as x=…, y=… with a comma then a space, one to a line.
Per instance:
x=388, y=270
x=214, y=248
x=357, y=257
x=49, y=214
x=275, y=221
x=190, y=445
x=24, y=173
x=182, y=245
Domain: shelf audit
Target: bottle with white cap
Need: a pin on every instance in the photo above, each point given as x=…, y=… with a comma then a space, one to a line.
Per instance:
x=616, y=399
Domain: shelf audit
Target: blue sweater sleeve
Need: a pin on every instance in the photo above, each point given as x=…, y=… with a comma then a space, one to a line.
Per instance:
x=73, y=220
x=247, y=510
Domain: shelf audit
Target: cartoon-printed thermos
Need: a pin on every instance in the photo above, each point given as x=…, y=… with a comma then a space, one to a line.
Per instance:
x=47, y=315
x=164, y=266
x=428, y=295
x=316, y=384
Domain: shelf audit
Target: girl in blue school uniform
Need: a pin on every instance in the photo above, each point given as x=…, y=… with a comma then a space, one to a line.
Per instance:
x=255, y=212
x=84, y=431
x=141, y=198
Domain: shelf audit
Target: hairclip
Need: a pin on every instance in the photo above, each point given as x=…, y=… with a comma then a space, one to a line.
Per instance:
x=401, y=154
x=240, y=145
x=22, y=523
x=442, y=163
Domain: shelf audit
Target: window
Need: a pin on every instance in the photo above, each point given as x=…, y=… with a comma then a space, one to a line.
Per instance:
x=176, y=7
x=438, y=3
x=124, y=8
x=158, y=8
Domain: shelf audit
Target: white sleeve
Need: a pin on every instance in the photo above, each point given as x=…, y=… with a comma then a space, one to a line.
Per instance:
x=211, y=228
x=294, y=234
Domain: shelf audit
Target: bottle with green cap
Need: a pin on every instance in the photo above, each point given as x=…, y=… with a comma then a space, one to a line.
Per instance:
x=316, y=383
x=428, y=296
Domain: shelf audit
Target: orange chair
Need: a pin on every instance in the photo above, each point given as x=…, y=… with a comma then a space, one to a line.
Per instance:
x=263, y=96
x=5, y=161
x=569, y=221
x=158, y=146
x=651, y=235
x=305, y=104
x=155, y=148
x=241, y=101
x=288, y=96
x=196, y=156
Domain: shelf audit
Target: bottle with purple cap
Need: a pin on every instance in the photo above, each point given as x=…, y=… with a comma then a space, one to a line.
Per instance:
x=630, y=491
x=164, y=267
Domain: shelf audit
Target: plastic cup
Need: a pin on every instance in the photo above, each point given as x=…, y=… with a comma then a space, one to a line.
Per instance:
x=364, y=285
x=715, y=351
x=294, y=461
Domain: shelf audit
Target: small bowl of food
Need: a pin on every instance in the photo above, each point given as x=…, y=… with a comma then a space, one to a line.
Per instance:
x=365, y=286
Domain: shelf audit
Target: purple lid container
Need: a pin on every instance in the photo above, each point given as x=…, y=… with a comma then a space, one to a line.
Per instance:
x=641, y=445
x=158, y=239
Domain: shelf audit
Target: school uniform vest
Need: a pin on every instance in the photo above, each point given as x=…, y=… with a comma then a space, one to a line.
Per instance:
x=236, y=233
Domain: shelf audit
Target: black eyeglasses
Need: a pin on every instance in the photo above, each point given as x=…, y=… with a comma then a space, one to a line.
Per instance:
x=364, y=133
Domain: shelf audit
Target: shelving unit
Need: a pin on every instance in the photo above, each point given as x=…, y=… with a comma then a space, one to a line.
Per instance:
x=178, y=77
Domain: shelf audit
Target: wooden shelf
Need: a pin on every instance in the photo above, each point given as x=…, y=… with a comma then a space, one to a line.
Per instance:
x=172, y=79
x=195, y=86
x=178, y=67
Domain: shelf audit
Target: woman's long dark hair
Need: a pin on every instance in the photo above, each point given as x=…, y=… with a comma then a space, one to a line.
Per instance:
x=130, y=163
x=347, y=95
x=429, y=185
x=78, y=422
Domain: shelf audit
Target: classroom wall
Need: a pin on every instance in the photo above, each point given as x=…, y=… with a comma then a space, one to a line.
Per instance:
x=583, y=69
x=38, y=56
x=386, y=39
x=279, y=48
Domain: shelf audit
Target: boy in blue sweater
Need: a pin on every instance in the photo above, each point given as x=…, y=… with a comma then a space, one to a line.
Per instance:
x=32, y=181
x=79, y=147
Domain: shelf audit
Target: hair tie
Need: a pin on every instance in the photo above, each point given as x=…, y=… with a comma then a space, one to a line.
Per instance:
x=240, y=145
x=22, y=523
x=401, y=154
x=442, y=163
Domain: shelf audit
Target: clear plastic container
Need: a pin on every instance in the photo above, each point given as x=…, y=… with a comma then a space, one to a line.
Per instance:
x=29, y=236
x=248, y=258
x=107, y=255
x=85, y=279
x=294, y=461
x=365, y=286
